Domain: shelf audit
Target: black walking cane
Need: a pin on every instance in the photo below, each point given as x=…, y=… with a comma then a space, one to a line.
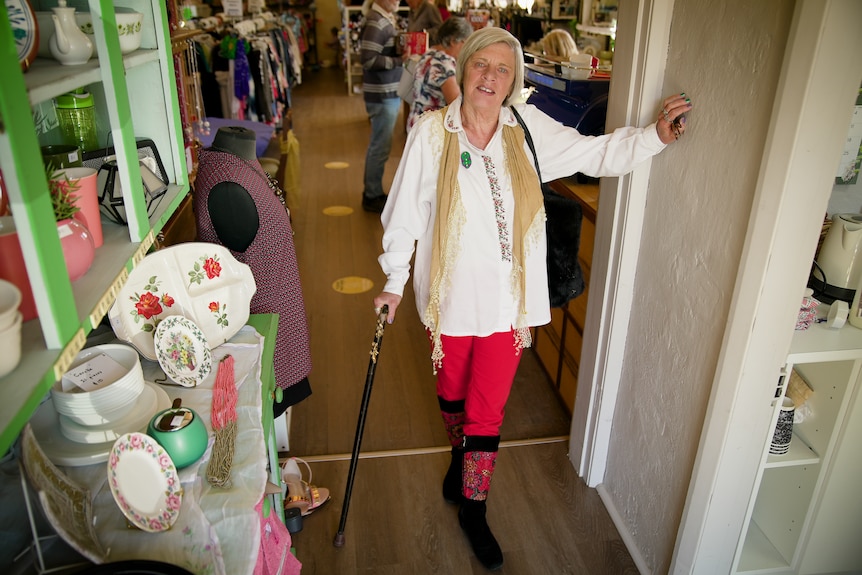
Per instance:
x=360, y=425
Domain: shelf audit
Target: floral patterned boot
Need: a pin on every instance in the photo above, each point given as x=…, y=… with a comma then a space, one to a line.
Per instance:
x=480, y=457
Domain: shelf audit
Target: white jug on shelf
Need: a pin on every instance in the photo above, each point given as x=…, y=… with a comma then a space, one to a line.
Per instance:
x=69, y=45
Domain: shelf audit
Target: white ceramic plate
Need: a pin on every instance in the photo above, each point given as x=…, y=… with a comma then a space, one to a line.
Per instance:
x=182, y=351
x=60, y=449
x=151, y=401
x=197, y=280
x=25, y=30
x=144, y=482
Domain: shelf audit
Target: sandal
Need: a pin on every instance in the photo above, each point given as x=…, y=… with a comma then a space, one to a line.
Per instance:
x=301, y=494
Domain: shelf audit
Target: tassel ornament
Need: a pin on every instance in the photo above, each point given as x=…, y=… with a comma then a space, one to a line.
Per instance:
x=223, y=416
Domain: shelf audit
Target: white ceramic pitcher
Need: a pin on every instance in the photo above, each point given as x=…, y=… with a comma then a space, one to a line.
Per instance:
x=840, y=255
x=68, y=45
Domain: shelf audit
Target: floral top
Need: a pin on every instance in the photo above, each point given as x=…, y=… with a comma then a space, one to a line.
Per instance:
x=432, y=71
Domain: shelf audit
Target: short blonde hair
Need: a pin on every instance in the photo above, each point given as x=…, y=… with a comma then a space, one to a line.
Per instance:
x=481, y=39
x=558, y=43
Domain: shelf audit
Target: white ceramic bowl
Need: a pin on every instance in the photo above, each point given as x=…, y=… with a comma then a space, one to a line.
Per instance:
x=10, y=300
x=151, y=401
x=10, y=344
x=576, y=73
x=129, y=24
x=111, y=402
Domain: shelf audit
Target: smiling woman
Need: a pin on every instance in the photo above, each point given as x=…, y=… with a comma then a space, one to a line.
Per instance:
x=472, y=209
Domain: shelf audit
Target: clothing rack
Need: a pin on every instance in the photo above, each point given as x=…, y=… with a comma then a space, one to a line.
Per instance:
x=248, y=66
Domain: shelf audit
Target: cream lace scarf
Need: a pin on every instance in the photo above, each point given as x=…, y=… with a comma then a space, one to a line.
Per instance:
x=527, y=226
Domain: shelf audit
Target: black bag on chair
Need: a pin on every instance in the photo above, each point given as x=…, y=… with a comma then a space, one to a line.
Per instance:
x=563, y=229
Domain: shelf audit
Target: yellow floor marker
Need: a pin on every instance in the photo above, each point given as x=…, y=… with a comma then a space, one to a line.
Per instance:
x=337, y=211
x=336, y=165
x=352, y=285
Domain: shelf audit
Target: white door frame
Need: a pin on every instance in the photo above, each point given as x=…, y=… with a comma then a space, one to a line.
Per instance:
x=635, y=94
x=820, y=77
x=819, y=82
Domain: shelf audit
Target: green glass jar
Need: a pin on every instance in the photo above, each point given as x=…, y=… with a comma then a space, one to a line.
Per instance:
x=76, y=113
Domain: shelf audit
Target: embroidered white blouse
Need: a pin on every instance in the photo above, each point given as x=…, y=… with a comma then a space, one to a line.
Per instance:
x=480, y=299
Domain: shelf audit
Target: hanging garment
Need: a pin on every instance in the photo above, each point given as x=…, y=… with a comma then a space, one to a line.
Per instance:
x=271, y=257
x=274, y=556
x=290, y=173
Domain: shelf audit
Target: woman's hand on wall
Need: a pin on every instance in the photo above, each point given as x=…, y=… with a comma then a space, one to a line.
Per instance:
x=671, y=118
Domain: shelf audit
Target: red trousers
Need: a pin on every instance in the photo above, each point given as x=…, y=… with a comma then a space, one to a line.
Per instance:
x=480, y=371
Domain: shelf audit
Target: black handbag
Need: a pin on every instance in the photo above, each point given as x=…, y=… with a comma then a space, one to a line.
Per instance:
x=563, y=229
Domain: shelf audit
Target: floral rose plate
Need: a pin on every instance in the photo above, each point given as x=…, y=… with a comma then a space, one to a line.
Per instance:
x=182, y=351
x=144, y=482
x=200, y=281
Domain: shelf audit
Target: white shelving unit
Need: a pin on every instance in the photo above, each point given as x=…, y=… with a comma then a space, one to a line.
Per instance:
x=807, y=513
x=352, y=67
x=135, y=98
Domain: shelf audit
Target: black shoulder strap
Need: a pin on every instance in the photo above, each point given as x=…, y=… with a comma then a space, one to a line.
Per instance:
x=529, y=139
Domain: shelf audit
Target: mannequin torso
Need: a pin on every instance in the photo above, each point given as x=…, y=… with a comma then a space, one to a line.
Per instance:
x=231, y=208
x=237, y=207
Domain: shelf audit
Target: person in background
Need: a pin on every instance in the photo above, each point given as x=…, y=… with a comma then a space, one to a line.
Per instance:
x=443, y=8
x=434, y=83
x=381, y=71
x=467, y=200
x=424, y=15
x=558, y=45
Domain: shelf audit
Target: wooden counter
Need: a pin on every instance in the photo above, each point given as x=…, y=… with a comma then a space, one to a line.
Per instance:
x=558, y=344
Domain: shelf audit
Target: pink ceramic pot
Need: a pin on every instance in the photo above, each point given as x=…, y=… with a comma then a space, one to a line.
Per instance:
x=87, y=199
x=78, y=247
x=12, y=267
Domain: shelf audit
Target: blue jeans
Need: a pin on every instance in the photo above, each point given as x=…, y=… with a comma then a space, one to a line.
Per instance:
x=383, y=116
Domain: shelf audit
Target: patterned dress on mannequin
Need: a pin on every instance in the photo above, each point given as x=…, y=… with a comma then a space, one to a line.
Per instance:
x=272, y=259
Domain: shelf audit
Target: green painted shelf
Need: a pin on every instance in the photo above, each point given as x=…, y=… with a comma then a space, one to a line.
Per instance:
x=136, y=97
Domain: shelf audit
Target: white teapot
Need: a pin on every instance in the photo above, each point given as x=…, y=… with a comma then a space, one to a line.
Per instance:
x=68, y=45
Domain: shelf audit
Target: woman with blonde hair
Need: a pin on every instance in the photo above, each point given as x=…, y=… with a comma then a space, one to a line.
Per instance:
x=558, y=45
x=467, y=202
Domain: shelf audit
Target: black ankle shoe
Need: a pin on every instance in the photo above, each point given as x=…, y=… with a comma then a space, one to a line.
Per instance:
x=452, y=482
x=471, y=516
x=373, y=204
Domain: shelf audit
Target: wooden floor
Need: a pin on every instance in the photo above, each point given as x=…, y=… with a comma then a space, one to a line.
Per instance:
x=546, y=519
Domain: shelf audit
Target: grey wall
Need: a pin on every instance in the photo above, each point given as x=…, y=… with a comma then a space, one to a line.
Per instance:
x=727, y=57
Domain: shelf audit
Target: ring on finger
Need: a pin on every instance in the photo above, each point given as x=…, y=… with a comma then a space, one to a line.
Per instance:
x=666, y=115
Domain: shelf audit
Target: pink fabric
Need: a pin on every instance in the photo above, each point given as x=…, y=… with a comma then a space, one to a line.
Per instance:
x=274, y=555
x=478, y=470
x=224, y=395
x=454, y=423
x=479, y=370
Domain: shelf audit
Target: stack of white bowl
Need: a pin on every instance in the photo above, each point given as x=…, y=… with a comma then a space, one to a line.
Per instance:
x=10, y=327
x=85, y=413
